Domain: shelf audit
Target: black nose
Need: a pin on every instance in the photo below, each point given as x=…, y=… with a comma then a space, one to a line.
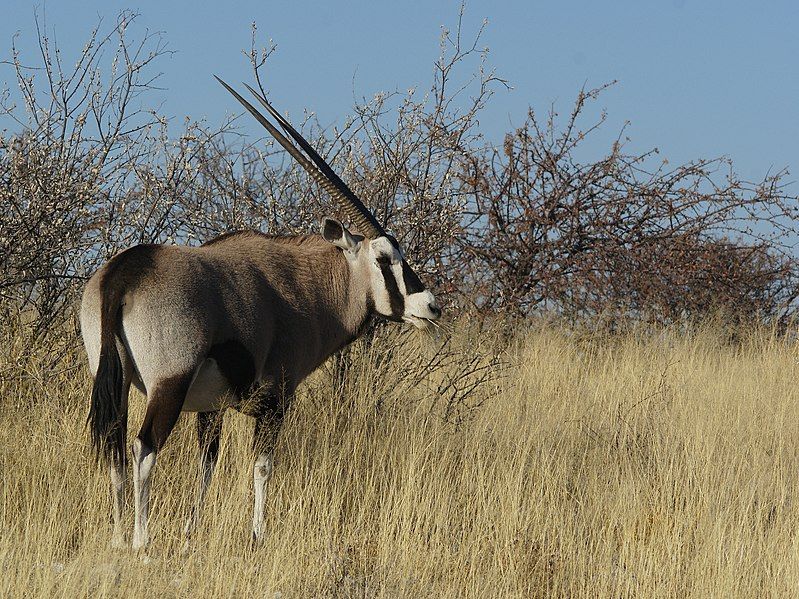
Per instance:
x=434, y=310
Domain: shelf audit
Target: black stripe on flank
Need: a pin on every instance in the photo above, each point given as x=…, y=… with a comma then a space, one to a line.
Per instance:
x=236, y=364
x=395, y=298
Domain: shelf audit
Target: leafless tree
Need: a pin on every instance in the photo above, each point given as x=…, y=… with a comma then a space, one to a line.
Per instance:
x=623, y=236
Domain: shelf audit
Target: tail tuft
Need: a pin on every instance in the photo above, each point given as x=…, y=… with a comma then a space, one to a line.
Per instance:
x=107, y=419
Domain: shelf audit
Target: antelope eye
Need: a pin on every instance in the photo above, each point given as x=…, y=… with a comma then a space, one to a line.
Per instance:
x=384, y=260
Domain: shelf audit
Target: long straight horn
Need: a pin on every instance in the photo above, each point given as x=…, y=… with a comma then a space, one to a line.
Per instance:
x=350, y=197
x=333, y=185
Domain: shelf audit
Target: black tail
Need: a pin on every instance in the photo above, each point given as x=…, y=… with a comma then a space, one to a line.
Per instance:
x=107, y=421
x=108, y=416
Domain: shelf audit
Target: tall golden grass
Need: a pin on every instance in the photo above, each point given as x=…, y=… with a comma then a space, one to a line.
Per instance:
x=647, y=465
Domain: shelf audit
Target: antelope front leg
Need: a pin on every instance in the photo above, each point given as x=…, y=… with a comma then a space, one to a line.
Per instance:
x=262, y=472
x=209, y=429
x=265, y=437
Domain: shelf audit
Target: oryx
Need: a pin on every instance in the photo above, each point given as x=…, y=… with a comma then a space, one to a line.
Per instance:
x=245, y=315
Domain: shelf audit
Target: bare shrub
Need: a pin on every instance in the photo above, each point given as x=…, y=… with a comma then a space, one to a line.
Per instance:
x=69, y=176
x=623, y=236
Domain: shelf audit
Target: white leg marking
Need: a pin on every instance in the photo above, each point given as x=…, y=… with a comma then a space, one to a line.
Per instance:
x=118, y=495
x=143, y=462
x=262, y=471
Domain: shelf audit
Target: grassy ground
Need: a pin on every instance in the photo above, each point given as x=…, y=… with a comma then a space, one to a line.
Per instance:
x=655, y=465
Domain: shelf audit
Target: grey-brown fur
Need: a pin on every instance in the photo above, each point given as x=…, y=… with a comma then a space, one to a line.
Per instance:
x=290, y=301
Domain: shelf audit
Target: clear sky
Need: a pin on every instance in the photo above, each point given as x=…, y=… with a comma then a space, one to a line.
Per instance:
x=696, y=79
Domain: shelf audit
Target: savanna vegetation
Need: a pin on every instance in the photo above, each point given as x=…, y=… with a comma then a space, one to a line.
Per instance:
x=610, y=409
x=583, y=465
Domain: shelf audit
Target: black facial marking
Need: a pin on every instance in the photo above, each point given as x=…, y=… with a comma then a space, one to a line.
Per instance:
x=412, y=282
x=395, y=298
x=384, y=260
x=236, y=364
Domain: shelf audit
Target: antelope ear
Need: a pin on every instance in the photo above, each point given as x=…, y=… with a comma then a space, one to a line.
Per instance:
x=336, y=233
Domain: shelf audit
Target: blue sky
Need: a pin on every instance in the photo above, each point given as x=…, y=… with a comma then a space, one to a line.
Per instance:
x=695, y=79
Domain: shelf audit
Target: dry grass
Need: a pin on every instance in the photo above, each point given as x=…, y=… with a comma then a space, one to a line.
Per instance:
x=647, y=466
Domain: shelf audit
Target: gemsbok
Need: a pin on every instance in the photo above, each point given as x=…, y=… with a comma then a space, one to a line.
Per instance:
x=246, y=316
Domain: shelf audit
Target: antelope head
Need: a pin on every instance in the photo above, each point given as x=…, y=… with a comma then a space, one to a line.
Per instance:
x=394, y=288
